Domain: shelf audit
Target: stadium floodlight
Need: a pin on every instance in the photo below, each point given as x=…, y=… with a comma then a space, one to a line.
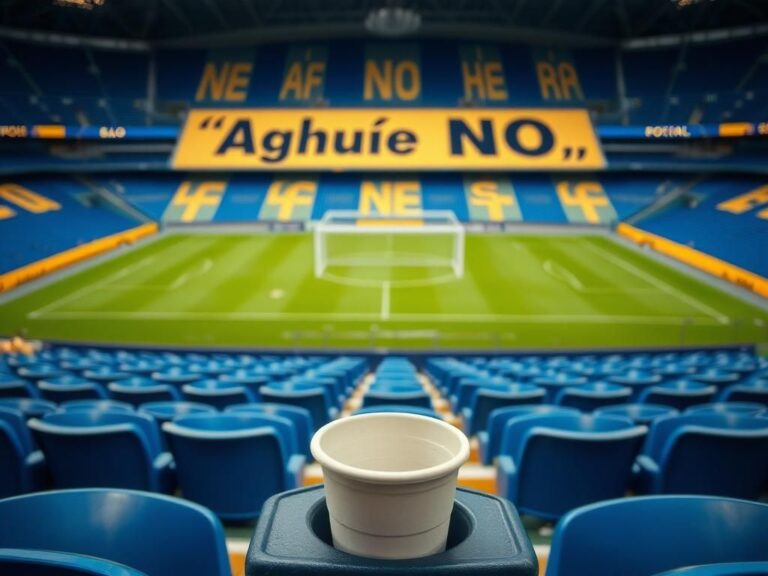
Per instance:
x=392, y=21
x=433, y=239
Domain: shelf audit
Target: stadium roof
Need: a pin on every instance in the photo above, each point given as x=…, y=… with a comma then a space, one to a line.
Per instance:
x=210, y=22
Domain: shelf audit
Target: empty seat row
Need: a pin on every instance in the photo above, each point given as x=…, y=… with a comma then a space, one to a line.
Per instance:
x=552, y=459
x=231, y=461
x=477, y=399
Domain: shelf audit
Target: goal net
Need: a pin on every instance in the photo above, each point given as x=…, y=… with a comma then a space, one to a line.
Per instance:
x=351, y=239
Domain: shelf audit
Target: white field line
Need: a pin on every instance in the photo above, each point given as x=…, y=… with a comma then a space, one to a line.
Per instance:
x=660, y=284
x=385, y=299
x=560, y=272
x=89, y=288
x=365, y=317
x=181, y=280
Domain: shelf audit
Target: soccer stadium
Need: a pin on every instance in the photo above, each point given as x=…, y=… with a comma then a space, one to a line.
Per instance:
x=384, y=287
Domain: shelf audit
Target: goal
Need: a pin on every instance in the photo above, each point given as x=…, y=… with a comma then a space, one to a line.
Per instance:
x=433, y=239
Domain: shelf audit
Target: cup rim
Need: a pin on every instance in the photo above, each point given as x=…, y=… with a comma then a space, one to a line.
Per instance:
x=390, y=477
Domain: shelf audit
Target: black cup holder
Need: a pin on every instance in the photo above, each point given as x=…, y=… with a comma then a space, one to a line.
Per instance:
x=461, y=525
x=293, y=536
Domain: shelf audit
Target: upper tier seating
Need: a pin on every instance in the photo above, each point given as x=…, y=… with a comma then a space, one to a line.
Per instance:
x=689, y=83
x=725, y=218
x=45, y=216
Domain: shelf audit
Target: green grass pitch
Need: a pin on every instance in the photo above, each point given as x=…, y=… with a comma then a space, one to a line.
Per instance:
x=518, y=291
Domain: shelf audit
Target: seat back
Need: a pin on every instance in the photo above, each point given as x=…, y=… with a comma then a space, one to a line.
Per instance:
x=727, y=569
x=233, y=469
x=30, y=407
x=681, y=394
x=19, y=562
x=98, y=405
x=647, y=535
x=497, y=421
x=220, y=395
x=301, y=418
x=416, y=399
x=155, y=534
x=726, y=458
x=312, y=400
x=594, y=453
x=18, y=425
x=746, y=408
x=87, y=449
x=590, y=397
x=639, y=413
x=12, y=456
x=487, y=400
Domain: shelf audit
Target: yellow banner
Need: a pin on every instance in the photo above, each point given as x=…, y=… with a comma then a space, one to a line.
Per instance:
x=388, y=139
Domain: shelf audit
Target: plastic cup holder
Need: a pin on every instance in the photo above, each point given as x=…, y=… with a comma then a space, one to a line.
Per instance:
x=462, y=524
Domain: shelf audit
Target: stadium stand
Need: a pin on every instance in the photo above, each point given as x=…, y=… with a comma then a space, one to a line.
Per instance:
x=304, y=168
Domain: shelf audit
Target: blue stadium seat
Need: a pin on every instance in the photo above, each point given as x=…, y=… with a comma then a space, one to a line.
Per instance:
x=490, y=439
x=30, y=407
x=301, y=418
x=397, y=408
x=97, y=405
x=727, y=569
x=218, y=394
x=138, y=390
x=23, y=465
x=40, y=371
x=746, y=408
x=105, y=374
x=554, y=383
x=647, y=535
x=156, y=534
x=177, y=375
x=550, y=464
x=717, y=377
x=637, y=380
x=680, y=394
x=247, y=379
x=231, y=463
x=20, y=562
x=716, y=454
x=65, y=388
x=314, y=400
x=15, y=387
x=485, y=401
x=590, y=397
x=167, y=411
x=638, y=413
x=101, y=448
x=754, y=391
x=416, y=399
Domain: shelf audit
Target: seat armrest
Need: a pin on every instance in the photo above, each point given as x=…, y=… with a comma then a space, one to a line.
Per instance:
x=294, y=471
x=482, y=442
x=645, y=475
x=466, y=418
x=506, y=477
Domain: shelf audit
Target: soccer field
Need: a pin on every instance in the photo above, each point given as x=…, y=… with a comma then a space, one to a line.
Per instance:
x=260, y=290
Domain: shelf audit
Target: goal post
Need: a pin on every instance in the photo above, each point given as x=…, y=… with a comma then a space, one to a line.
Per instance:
x=433, y=238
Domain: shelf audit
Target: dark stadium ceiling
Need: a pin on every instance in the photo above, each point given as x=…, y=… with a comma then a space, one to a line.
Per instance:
x=214, y=22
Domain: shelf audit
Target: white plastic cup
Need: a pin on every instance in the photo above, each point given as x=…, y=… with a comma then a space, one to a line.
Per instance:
x=390, y=482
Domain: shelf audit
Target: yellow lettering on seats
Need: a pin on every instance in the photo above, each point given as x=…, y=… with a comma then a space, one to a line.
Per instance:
x=288, y=195
x=194, y=196
x=26, y=199
x=746, y=202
